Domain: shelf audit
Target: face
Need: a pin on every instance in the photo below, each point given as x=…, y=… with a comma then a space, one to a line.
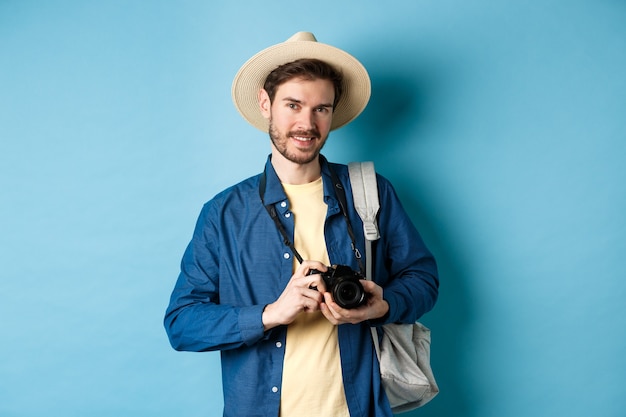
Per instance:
x=299, y=118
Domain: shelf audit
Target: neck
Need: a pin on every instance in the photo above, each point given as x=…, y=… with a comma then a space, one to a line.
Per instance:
x=293, y=173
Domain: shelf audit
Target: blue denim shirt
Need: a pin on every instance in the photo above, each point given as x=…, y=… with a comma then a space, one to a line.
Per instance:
x=237, y=263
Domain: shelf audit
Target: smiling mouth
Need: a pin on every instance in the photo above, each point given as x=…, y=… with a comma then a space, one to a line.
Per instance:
x=304, y=136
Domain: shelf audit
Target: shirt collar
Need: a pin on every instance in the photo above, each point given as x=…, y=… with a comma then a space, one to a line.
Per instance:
x=274, y=192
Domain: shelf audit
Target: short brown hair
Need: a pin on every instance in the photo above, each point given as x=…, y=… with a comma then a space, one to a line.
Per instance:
x=307, y=69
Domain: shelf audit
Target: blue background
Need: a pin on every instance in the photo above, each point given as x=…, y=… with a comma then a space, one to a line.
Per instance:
x=502, y=125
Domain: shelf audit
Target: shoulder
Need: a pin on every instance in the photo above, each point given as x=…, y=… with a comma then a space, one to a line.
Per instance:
x=234, y=197
x=343, y=172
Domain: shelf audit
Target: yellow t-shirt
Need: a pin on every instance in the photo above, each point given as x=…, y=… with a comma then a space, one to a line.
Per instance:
x=312, y=380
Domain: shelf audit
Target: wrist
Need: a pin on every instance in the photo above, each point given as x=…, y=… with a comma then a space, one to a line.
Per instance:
x=267, y=318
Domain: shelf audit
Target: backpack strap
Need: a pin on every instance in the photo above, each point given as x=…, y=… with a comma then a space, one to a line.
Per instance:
x=365, y=195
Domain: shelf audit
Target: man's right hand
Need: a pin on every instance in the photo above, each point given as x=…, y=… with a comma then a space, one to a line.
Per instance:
x=303, y=293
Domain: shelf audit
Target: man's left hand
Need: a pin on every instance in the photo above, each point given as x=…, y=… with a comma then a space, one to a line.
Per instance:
x=374, y=308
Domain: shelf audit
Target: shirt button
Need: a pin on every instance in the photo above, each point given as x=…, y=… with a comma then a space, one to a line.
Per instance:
x=283, y=204
x=286, y=255
x=287, y=215
x=274, y=389
x=278, y=344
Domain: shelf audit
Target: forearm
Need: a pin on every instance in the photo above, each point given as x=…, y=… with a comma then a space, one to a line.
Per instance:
x=410, y=296
x=204, y=327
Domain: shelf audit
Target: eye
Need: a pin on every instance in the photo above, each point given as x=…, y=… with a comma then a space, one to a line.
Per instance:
x=322, y=110
x=292, y=106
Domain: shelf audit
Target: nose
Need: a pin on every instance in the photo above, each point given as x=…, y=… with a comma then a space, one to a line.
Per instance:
x=306, y=120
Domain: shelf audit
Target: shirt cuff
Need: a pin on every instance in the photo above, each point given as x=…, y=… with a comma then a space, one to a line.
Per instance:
x=391, y=316
x=251, y=324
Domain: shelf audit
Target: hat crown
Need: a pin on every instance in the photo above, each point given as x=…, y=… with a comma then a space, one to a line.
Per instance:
x=302, y=36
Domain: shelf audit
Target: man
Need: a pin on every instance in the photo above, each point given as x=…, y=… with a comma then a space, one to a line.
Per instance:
x=252, y=278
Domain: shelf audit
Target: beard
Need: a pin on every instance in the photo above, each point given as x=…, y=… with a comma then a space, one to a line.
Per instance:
x=281, y=141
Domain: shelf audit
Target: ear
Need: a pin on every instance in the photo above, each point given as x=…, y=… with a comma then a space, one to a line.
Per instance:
x=265, y=104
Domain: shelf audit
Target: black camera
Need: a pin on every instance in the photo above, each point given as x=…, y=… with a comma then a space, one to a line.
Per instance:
x=344, y=285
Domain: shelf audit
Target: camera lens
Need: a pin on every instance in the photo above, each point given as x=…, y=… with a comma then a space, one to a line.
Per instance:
x=348, y=293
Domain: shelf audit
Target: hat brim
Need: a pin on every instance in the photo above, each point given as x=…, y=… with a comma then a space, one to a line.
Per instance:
x=251, y=77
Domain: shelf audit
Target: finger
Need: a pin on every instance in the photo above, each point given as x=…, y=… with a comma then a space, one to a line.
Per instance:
x=313, y=294
x=316, y=282
x=309, y=267
x=328, y=314
x=333, y=307
x=309, y=305
x=344, y=315
x=371, y=287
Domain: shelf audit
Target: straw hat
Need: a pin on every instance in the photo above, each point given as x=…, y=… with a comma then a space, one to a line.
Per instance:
x=251, y=77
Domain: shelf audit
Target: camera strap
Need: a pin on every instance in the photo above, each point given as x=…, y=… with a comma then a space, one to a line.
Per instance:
x=341, y=197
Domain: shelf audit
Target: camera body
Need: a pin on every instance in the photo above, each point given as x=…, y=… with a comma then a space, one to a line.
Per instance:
x=344, y=285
